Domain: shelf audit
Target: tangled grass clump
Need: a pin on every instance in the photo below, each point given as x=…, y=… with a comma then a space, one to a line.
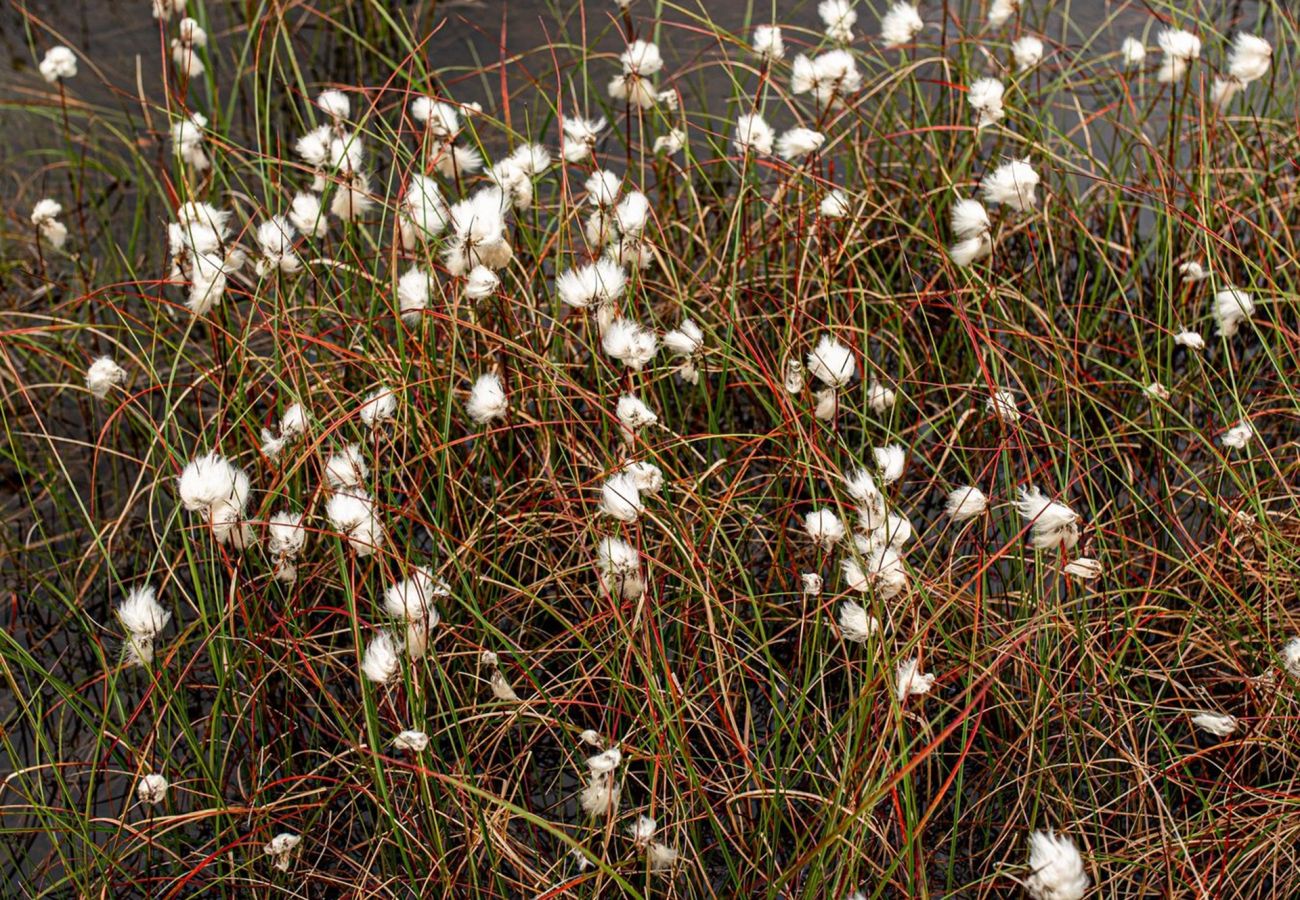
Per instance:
x=844, y=452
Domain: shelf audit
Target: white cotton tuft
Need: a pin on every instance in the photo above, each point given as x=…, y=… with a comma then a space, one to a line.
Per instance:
x=487, y=399
x=909, y=680
x=890, y=460
x=481, y=282
x=883, y=573
x=600, y=796
x=379, y=408
x=824, y=528
x=415, y=741
x=1249, y=59
x=1013, y=183
x=152, y=789
x=1052, y=524
x=1218, y=724
x=620, y=568
x=799, y=142
x=1056, y=868
x=768, y=42
x=411, y=599
x=334, y=104
x=346, y=468
x=412, y=294
x=382, y=659
x=839, y=18
x=661, y=857
x=1232, y=307
x=1238, y=436
x=1084, y=568
x=307, y=215
x=58, y=63
x=102, y=375
x=831, y=77
x=141, y=614
x=633, y=415
x=810, y=583
x=856, y=624
x=642, y=831
x=1003, y=405
x=966, y=503
x=646, y=476
x=1027, y=51
x=969, y=219
x=900, y=24
x=985, y=97
x=832, y=363
x=1290, y=654
x=880, y=398
x=601, y=283
x=629, y=343
x=1180, y=49
x=1192, y=340
x=606, y=762
x=580, y=137
x=602, y=188
x=281, y=849
x=1000, y=11
x=753, y=134
x=423, y=212
x=620, y=498
x=211, y=480
x=353, y=516
x=1132, y=52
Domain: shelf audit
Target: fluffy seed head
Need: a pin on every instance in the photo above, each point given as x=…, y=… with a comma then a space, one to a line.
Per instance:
x=832, y=363
x=1013, y=183
x=909, y=680
x=1056, y=868
x=487, y=399
x=966, y=503
x=152, y=789
x=768, y=42
x=900, y=24
x=382, y=659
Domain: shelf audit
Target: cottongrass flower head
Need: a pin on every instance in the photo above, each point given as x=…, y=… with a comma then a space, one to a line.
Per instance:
x=379, y=408
x=423, y=212
x=1290, y=654
x=1220, y=725
x=580, y=137
x=1052, y=524
x=487, y=399
x=1232, y=307
x=630, y=343
x=143, y=618
x=163, y=10
x=640, y=61
x=185, y=48
x=1056, y=869
x=890, y=459
x=1085, y=568
x=687, y=342
x=152, y=789
x=753, y=135
x=880, y=398
x=900, y=24
x=767, y=42
x=346, y=469
x=275, y=240
x=1238, y=436
x=661, y=857
x=824, y=528
x=382, y=659
x=620, y=498
x=642, y=831
x=478, y=235
x=285, y=540
x=1027, y=52
x=839, y=17
x=835, y=205
x=831, y=77
x=501, y=687
x=334, y=104
x=58, y=64
x=102, y=375
x=1192, y=340
x=45, y=216
x=972, y=228
x=354, y=517
x=647, y=477
x=909, y=680
x=1192, y=272
x=1180, y=49
x=620, y=568
x=633, y=416
x=601, y=284
x=966, y=503
x=219, y=489
x=602, y=188
x=307, y=215
x=856, y=624
x=187, y=141
x=412, y=740
x=1000, y=11
x=861, y=486
x=412, y=294
x=442, y=120
x=810, y=583
x=832, y=363
x=1250, y=58
x=985, y=97
x=1013, y=184
x=669, y=143
x=882, y=571
x=1002, y=403
x=281, y=849
x=799, y=142
x=1133, y=52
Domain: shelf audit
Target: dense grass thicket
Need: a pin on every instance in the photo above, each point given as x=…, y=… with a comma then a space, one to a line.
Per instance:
x=667, y=456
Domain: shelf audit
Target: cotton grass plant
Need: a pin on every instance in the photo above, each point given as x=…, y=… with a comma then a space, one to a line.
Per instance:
x=699, y=451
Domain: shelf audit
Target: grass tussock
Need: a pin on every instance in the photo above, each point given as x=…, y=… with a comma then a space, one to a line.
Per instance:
x=653, y=454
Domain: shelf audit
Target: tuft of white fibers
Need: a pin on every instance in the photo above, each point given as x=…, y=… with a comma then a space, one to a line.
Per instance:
x=1000, y=11
x=896, y=531
x=1052, y=524
x=1156, y=391
x=883, y=573
x=632, y=213
x=661, y=857
x=478, y=233
x=307, y=215
x=346, y=469
x=1192, y=340
x=839, y=18
x=600, y=796
x=190, y=37
x=441, y=119
x=768, y=42
x=1290, y=654
x=423, y=213
x=810, y=583
x=831, y=76
x=1192, y=272
x=487, y=399
x=645, y=475
x=212, y=480
x=382, y=659
x=1056, y=868
x=580, y=137
x=286, y=537
x=1231, y=308
x=985, y=97
x=835, y=205
x=1249, y=59
x=799, y=142
x=379, y=408
x=879, y=397
x=591, y=737
x=602, y=188
x=412, y=740
x=1218, y=724
x=352, y=198
x=900, y=24
x=411, y=599
x=1003, y=405
x=606, y=762
x=163, y=10
x=314, y=147
x=827, y=405
x=481, y=282
x=824, y=528
x=753, y=134
x=890, y=460
x=633, y=415
x=1180, y=48
x=909, y=680
x=629, y=343
x=454, y=161
x=1084, y=568
x=965, y=503
x=1013, y=183
x=620, y=568
x=969, y=219
x=102, y=375
x=620, y=498
x=141, y=614
x=281, y=849
x=856, y=624
x=58, y=63
x=601, y=283
x=640, y=61
x=413, y=294
x=1238, y=436
x=862, y=487
x=687, y=341
x=670, y=143
x=642, y=57
x=967, y=251
x=487, y=659
x=832, y=363
x=353, y=516
x=275, y=238
x=152, y=789
x=334, y=104
x=1132, y=52
x=187, y=140
x=642, y=831
x=501, y=688
x=1027, y=51
x=48, y=227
